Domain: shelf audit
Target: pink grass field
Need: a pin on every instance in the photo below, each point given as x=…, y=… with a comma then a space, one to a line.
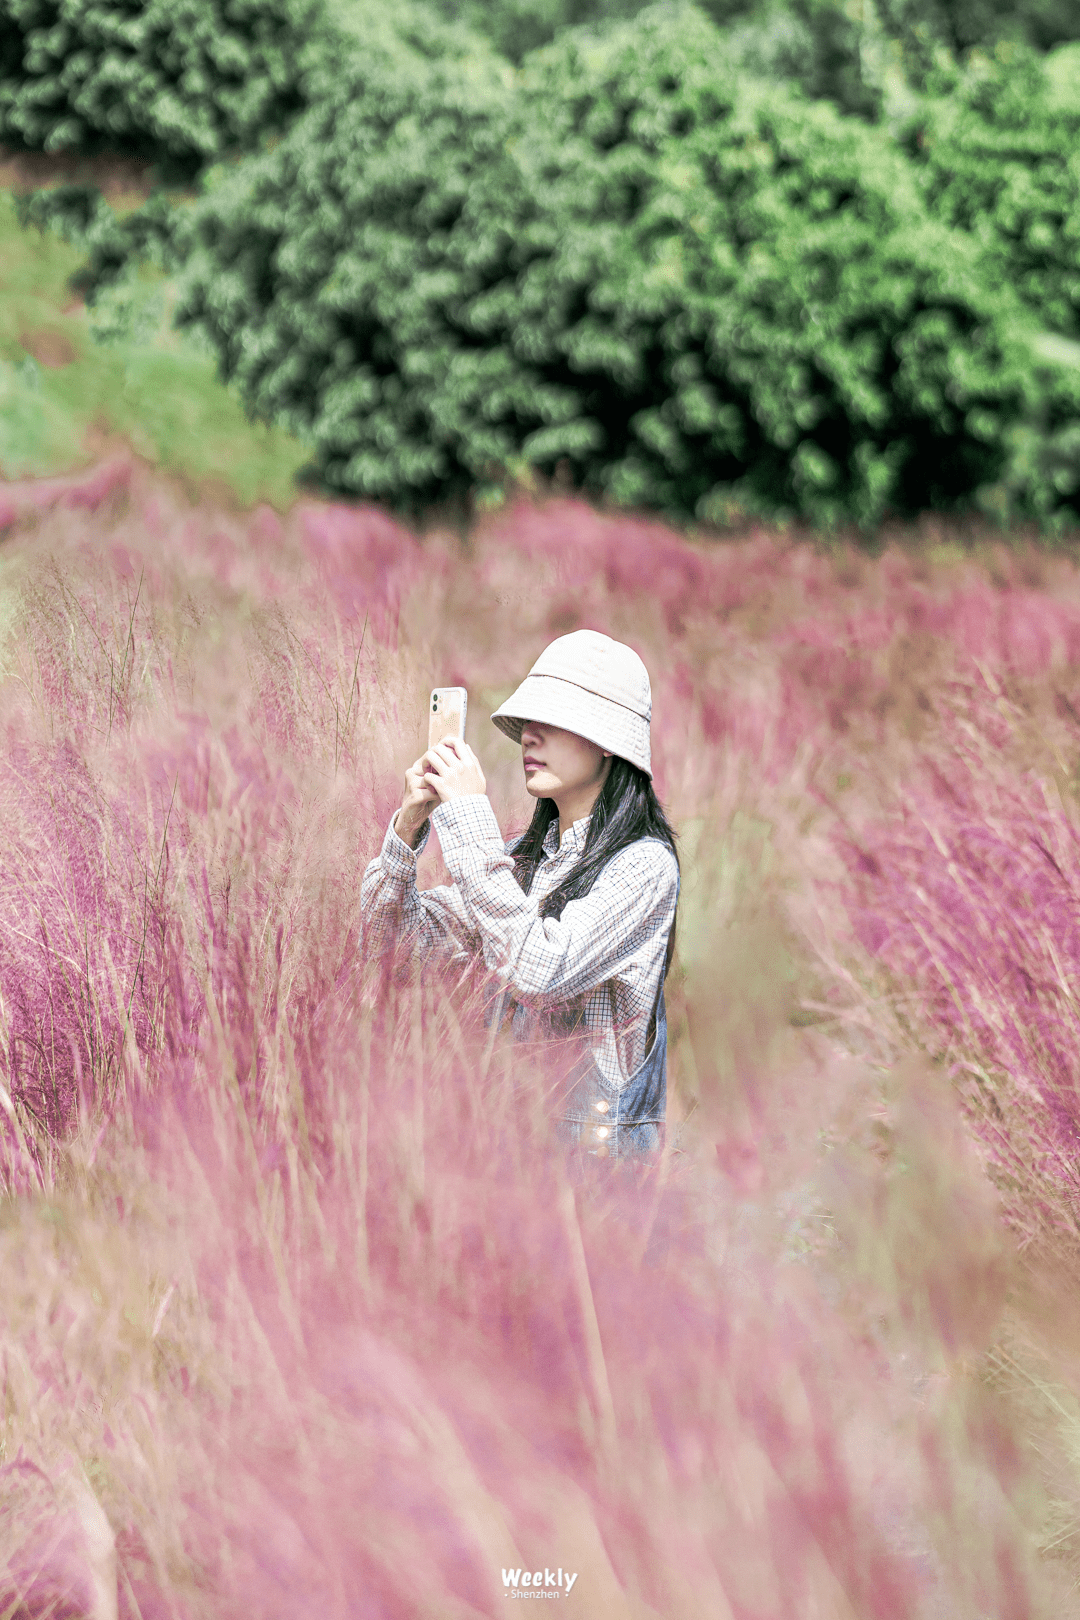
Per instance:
x=304, y=1314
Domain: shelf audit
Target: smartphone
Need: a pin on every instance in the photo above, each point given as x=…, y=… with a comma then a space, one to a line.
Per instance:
x=446, y=714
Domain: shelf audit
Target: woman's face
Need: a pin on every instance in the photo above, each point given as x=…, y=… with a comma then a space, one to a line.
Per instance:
x=560, y=763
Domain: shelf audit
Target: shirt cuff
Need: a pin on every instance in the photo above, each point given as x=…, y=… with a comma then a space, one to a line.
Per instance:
x=466, y=819
x=398, y=857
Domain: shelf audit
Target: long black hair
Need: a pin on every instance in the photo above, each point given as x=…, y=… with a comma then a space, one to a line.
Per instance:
x=627, y=809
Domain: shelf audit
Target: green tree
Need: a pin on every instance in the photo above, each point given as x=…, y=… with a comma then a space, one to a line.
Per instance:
x=694, y=291
x=961, y=25
x=996, y=145
x=175, y=81
x=180, y=83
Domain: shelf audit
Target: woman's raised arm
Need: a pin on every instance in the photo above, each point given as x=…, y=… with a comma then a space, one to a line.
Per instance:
x=393, y=910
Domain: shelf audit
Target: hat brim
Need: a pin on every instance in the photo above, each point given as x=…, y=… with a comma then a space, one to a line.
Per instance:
x=554, y=702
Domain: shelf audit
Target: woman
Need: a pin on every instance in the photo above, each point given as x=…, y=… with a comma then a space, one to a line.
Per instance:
x=576, y=918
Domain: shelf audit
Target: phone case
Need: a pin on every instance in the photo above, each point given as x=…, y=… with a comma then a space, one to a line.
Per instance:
x=446, y=714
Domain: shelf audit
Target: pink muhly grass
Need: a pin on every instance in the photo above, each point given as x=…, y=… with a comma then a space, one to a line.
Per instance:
x=293, y=1266
x=29, y=497
x=404, y=1353
x=970, y=896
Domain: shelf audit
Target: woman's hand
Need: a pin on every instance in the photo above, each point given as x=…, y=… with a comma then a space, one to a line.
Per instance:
x=453, y=770
x=418, y=803
x=444, y=772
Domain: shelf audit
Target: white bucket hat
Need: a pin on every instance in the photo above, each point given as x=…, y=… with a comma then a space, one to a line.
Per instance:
x=591, y=685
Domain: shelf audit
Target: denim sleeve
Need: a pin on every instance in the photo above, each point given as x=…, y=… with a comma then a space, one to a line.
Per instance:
x=607, y=934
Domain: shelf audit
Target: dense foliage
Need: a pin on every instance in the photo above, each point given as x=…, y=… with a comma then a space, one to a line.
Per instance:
x=631, y=260
x=826, y=34
x=859, y=56
x=178, y=83
x=998, y=145
x=689, y=289
x=960, y=25
x=518, y=26
x=175, y=80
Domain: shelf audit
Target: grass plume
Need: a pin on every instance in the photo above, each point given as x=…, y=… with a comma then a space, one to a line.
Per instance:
x=304, y=1312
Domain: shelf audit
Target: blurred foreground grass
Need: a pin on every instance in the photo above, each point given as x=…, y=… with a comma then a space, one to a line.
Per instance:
x=302, y=1314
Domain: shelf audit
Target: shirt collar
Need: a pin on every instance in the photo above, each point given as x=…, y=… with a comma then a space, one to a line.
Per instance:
x=574, y=840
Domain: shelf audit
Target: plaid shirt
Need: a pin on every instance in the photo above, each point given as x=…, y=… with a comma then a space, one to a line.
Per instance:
x=603, y=958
